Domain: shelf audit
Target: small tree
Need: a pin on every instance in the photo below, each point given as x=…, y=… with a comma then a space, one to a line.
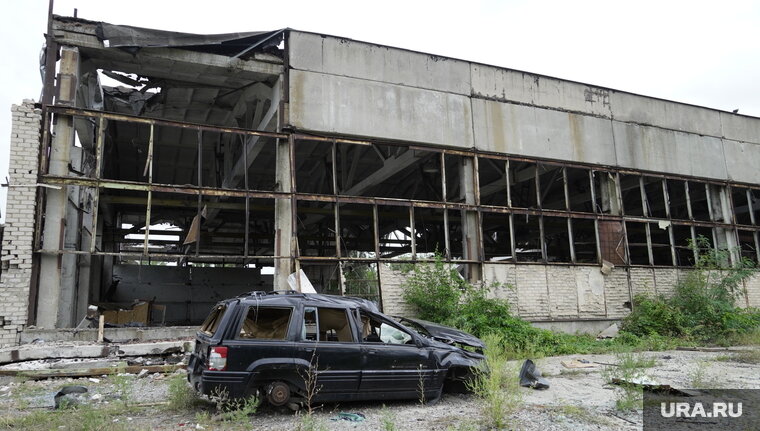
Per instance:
x=435, y=289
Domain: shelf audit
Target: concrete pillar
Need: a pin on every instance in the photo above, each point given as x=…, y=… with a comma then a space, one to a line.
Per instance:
x=51, y=310
x=470, y=226
x=283, y=218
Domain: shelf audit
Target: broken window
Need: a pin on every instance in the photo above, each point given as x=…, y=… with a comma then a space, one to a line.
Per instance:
x=679, y=208
x=323, y=276
x=682, y=241
x=497, y=240
x=630, y=189
x=360, y=279
x=552, y=183
x=742, y=209
x=605, y=193
x=460, y=186
x=211, y=324
x=326, y=325
x=579, y=189
x=748, y=244
x=584, y=240
x=357, y=230
x=429, y=232
x=754, y=199
x=660, y=238
x=700, y=207
x=265, y=323
x=556, y=239
x=388, y=171
x=527, y=238
x=378, y=331
x=704, y=234
x=394, y=232
x=522, y=184
x=655, y=199
x=638, y=246
x=314, y=167
x=492, y=180
x=316, y=228
x=125, y=154
x=261, y=227
x=456, y=228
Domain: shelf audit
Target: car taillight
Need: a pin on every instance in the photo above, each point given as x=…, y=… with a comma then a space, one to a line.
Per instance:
x=217, y=358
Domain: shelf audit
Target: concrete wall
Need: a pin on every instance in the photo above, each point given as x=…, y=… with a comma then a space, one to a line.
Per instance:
x=347, y=87
x=19, y=221
x=188, y=292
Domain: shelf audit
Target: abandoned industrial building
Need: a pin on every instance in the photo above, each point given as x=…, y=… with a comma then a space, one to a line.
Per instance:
x=181, y=169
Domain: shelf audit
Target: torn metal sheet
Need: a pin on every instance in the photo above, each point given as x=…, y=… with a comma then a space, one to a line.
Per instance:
x=231, y=44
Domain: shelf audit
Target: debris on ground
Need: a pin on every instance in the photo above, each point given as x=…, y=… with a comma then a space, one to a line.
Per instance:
x=578, y=363
x=611, y=332
x=351, y=417
x=530, y=376
x=69, y=396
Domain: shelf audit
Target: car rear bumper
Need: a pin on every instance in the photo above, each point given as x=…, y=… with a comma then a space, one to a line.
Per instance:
x=215, y=383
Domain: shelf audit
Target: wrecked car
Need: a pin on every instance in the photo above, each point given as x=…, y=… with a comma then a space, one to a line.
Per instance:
x=289, y=348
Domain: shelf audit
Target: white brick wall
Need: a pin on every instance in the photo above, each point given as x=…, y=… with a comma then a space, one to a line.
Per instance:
x=617, y=294
x=392, y=292
x=19, y=221
x=563, y=292
x=752, y=286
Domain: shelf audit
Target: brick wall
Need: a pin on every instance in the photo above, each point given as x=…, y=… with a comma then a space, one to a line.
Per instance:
x=392, y=293
x=19, y=221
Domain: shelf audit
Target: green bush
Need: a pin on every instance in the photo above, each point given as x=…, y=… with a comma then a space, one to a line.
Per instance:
x=703, y=306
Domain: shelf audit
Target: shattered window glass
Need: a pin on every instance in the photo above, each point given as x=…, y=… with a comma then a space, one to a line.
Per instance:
x=211, y=324
x=263, y=323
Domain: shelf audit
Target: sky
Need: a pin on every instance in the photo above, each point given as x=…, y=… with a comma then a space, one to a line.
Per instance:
x=704, y=53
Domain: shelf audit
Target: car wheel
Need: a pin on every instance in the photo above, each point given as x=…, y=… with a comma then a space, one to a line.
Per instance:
x=278, y=393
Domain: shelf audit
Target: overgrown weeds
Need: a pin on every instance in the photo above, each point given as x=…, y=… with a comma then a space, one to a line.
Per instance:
x=181, y=395
x=703, y=306
x=496, y=383
x=628, y=374
x=84, y=418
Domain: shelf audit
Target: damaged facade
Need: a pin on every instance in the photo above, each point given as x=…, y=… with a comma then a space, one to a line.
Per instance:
x=182, y=169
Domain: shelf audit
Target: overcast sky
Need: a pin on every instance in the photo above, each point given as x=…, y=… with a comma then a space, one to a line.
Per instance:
x=703, y=53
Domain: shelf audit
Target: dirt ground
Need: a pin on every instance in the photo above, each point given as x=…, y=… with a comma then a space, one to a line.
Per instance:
x=578, y=399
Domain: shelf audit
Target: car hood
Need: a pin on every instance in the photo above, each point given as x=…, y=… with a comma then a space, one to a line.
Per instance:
x=446, y=334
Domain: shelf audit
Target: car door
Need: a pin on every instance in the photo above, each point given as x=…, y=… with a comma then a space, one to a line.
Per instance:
x=329, y=343
x=394, y=365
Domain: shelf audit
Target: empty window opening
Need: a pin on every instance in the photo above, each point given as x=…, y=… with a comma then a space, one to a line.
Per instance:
x=742, y=209
x=456, y=231
x=527, y=238
x=584, y=240
x=552, y=183
x=324, y=276
x=630, y=189
x=700, y=208
x=579, y=190
x=394, y=232
x=679, y=208
x=459, y=179
x=497, y=241
x=429, y=231
x=388, y=171
x=265, y=323
x=314, y=167
x=655, y=199
x=316, y=228
x=556, y=239
x=522, y=184
x=357, y=231
x=682, y=240
x=748, y=244
x=360, y=279
x=754, y=199
x=661, y=251
x=492, y=179
x=638, y=247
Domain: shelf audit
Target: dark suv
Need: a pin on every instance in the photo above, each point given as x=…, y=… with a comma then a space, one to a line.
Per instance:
x=289, y=346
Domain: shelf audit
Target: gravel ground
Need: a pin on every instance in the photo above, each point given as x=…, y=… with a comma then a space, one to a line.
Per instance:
x=578, y=399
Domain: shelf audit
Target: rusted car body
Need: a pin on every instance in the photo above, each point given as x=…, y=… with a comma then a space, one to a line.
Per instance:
x=289, y=347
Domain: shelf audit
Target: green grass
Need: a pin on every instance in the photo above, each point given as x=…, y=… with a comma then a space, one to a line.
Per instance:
x=83, y=418
x=628, y=368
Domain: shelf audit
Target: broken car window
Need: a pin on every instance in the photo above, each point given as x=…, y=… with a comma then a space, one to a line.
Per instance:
x=211, y=323
x=376, y=331
x=326, y=324
x=263, y=323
